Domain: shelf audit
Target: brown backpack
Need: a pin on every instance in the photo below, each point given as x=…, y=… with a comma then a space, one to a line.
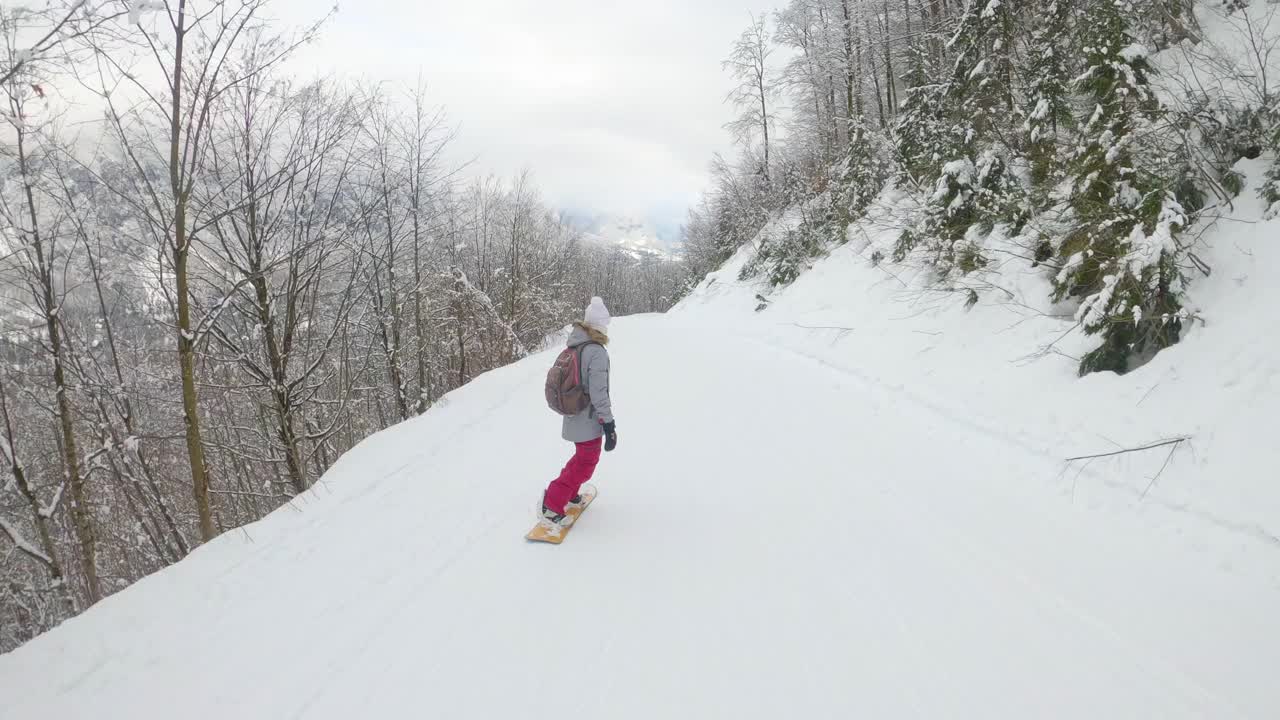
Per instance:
x=566, y=390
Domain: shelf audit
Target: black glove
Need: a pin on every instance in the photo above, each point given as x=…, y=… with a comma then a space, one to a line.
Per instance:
x=610, y=437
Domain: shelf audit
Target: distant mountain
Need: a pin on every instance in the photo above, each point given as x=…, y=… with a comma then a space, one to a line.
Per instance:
x=629, y=232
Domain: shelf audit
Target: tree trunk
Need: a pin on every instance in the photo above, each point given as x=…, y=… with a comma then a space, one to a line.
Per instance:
x=424, y=387
x=935, y=16
x=126, y=407
x=416, y=199
x=875, y=76
x=891, y=101
x=289, y=438
x=181, y=251
x=459, y=290
x=764, y=123
x=187, y=366
x=280, y=394
x=857, y=73
x=848, y=68
x=38, y=517
x=82, y=517
x=391, y=325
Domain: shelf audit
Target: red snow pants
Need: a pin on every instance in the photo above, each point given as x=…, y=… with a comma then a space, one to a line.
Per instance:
x=579, y=469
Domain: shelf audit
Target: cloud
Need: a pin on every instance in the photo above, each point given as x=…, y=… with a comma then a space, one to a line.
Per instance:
x=613, y=108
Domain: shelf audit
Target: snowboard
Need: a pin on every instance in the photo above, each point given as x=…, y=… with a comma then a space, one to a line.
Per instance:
x=545, y=532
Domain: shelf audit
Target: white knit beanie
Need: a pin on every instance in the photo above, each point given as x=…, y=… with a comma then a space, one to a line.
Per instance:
x=597, y=315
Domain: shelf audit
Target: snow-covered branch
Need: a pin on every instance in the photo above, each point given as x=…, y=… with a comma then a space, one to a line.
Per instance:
x=23, y=544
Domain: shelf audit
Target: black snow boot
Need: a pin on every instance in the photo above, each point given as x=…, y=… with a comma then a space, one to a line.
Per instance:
x=551, y=516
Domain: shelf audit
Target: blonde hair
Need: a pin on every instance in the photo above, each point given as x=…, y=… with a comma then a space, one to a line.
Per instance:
x=595, y=335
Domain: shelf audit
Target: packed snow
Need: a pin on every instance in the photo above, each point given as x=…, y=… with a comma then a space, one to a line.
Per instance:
x=855, y=501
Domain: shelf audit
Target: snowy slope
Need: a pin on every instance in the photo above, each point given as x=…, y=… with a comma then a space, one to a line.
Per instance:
x=812, y=521
x=1009, y=366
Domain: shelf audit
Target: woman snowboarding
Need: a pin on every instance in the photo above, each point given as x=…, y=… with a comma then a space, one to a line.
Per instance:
x=593, y=425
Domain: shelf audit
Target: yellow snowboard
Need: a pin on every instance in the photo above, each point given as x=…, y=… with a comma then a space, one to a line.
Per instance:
x=545, y=532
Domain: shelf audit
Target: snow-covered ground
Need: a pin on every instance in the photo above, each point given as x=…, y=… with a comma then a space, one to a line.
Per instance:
x=1008, y=367
x=853, y=503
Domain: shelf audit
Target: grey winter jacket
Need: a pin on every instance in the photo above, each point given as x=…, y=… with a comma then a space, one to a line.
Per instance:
x=588, y=424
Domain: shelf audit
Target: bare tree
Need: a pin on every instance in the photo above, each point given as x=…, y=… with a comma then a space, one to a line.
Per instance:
x=748, y=63
x=192, y=45
x=51, y=32
x=302, y=249
x=47, y=552
x=283, y=241
x=425, y=137
x=387, y=230
x=38, y=258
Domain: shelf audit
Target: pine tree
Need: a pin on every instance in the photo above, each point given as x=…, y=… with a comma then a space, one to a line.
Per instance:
x=923, y=128
x=1120, y=257
x=861, y=175
x=1048, y=110
x=966, y=160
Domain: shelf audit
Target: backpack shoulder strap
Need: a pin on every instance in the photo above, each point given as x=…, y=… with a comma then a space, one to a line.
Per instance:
x=582, y=366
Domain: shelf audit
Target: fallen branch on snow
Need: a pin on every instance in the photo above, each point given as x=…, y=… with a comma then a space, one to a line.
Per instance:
x=1171, y=443
x=1162, y=443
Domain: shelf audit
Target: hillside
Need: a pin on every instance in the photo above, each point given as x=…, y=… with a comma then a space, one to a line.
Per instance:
x=852, y=502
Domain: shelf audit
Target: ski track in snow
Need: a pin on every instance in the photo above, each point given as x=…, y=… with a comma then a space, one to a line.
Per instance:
x=832, y=546
x=978, y=422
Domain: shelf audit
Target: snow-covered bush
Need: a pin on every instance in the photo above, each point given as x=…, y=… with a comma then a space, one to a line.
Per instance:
x=1086, y=136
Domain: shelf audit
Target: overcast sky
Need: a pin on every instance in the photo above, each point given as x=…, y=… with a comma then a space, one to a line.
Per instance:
x=615, y=106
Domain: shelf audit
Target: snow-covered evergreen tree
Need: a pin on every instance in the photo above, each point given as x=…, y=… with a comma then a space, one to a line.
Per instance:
x=862, y=174
x=1120, y=256
x=972, y=188
x=1048, y=108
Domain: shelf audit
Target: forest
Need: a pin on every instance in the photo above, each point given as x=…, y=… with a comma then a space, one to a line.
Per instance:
x=217, y=275
x=1091, y=141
